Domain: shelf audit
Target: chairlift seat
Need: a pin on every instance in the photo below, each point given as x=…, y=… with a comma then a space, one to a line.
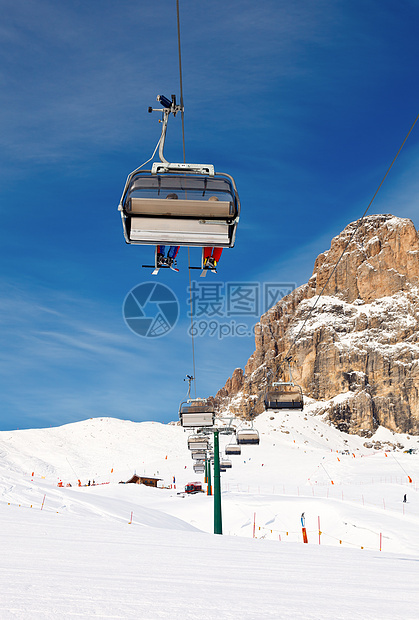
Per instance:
x=198, y=468
x=175, y=231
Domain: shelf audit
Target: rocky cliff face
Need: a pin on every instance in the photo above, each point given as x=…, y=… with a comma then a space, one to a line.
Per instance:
x=357, y=354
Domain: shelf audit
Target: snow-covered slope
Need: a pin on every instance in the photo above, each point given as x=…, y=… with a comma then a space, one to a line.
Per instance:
x=120, y=551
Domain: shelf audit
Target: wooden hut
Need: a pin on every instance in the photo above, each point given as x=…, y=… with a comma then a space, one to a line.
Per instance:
x=147, y=480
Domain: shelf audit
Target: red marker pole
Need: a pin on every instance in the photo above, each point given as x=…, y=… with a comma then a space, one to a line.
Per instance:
x=318, y=521
x=303, y=527
x=254, y=524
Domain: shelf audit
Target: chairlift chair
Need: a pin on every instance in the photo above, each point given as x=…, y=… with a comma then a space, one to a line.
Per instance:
x=233, y=448
x=199, y=455
x=226, y=463
x=196, y=413
x=199, y=468
x=247, y=436
x=179, y=204
x=197, y=442
x=286, y=394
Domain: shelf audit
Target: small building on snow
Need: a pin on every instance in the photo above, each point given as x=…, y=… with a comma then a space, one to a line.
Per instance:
x=146, y=480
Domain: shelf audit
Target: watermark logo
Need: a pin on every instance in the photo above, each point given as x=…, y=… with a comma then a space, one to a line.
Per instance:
x=213, y=306
x=151, y=310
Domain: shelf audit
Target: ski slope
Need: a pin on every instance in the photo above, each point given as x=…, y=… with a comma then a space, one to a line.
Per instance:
x=126, y=551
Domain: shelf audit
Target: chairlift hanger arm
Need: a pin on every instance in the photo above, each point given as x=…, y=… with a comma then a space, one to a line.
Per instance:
x=169, y=107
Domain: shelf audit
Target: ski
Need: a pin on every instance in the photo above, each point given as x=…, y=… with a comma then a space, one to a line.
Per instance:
x=156, y=268
x=205, y=269
x=153, y=267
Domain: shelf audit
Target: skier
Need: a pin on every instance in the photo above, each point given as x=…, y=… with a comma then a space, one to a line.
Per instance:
x=405, y=499
x=162, y=260
x=212, y=255
x=168, y=260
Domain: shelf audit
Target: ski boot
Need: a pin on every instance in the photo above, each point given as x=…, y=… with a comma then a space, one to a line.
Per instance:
x=210, y=263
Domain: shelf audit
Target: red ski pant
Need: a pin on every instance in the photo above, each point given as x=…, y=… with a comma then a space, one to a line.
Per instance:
x=214, y=252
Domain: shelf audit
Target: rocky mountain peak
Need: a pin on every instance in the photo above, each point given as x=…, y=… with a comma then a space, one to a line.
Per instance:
x=356, y=354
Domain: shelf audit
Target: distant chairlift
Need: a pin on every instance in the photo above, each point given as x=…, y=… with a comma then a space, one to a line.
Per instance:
x=199, y=468
x=226, y=463
x=198, y=455
x=198, y=442
x=285, y=395
x=196, y=413
x=179, y=204
x=247, y=436
x=233, y=448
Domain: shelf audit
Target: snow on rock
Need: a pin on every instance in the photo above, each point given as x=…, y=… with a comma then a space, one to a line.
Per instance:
x=360, y=336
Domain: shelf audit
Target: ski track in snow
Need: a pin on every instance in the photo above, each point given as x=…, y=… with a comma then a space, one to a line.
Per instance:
x=81, y=557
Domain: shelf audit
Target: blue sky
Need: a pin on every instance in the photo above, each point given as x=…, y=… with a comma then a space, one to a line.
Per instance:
x=305, y=104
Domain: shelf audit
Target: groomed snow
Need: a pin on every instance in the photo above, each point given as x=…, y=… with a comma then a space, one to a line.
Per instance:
x=81, y=557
